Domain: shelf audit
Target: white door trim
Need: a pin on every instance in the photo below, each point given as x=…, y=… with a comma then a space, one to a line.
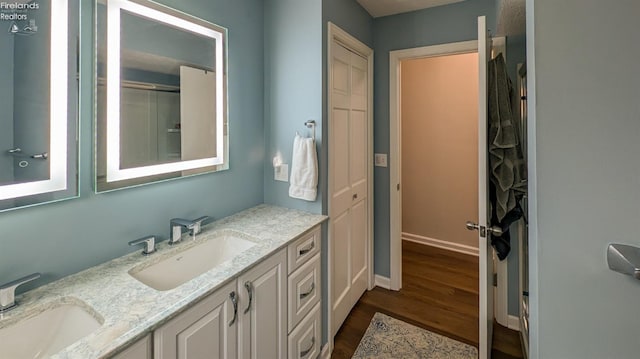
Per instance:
x=395, y=162
x=395, y=142
x=335, y=33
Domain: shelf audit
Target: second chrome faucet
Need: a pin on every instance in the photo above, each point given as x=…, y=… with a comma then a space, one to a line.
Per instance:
x=178, y=224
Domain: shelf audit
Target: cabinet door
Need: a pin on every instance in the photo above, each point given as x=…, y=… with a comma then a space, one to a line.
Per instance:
x=139, y=350
x=202, y=332
x=262, y=330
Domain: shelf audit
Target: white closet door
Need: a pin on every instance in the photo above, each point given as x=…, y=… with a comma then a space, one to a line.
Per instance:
x=349, y=184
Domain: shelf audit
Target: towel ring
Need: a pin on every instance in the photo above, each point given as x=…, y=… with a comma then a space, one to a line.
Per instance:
x=312, y=125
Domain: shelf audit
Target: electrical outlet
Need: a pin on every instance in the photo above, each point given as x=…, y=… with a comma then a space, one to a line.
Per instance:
x=380, y=160
x=281, y=173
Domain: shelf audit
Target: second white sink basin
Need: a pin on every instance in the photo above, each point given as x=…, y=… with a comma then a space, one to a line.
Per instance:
x=47, y=333
x=185, y=265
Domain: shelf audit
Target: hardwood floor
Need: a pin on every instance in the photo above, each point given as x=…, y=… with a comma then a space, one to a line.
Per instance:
x=440, y=294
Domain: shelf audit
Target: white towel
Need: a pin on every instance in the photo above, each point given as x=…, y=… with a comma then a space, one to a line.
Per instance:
x=304, y=169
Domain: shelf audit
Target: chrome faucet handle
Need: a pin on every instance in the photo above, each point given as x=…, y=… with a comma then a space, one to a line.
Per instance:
x=175, y=230
x=8, y=291
x=198, y=223
x=149, y=244
x=194, y=227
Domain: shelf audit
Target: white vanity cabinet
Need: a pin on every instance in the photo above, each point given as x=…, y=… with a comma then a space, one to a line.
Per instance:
x=206, y=330
x=139, y=350
x=254, y=327
x=304, y=294
x=262, y=329
x=272, y=311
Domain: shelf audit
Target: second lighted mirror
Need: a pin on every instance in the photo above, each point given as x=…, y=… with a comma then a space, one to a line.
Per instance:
x=161, y=95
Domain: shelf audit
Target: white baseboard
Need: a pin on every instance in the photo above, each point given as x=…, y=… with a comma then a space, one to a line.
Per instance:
x=456, y=247
x=325, y=354
x=382, y=282
x=514, y=323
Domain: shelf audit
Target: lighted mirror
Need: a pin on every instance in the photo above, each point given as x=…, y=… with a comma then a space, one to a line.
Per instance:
x=39, y=102
x=161, y=95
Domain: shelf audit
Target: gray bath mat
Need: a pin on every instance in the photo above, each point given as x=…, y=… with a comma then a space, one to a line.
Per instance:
x=388, y=337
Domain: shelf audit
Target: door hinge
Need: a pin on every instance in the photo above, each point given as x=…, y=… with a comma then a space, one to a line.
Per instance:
x=495, y=279
x=398, y=186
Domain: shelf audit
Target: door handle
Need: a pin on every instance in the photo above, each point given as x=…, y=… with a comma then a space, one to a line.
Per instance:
x=472, y=226
x=494, y=230
x=308, y=293
x=234, y=301
x=624, y=259
x=304, y=251
x=305, y=352
x=249, y=287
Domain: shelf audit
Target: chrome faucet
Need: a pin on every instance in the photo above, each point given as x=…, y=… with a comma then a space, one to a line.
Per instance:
x=8, y=292
x=194, y=227
x=149, y=244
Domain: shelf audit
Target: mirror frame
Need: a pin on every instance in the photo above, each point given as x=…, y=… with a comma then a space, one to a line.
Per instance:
x=160, y=13
x=58, y=116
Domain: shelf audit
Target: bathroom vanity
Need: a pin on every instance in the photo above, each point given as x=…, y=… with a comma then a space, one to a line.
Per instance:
x=265, y=299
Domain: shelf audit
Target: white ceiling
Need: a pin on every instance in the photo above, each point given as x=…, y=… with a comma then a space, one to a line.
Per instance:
x=378, y=8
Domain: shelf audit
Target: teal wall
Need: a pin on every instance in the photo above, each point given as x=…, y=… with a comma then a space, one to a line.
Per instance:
x=292, y=88
x=583, y=180
x=62, y=238
x=443, y=24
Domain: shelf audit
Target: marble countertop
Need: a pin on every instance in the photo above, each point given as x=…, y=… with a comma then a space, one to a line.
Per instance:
x=129, y=309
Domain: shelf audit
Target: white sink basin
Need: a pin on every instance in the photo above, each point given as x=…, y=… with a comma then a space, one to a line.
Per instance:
x=187, y=264
x=46, y=333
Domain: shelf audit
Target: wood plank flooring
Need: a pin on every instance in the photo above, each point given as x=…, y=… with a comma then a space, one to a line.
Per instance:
x=440, y=294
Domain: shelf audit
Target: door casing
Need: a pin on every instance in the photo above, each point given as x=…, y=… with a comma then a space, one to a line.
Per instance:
x=336, y=34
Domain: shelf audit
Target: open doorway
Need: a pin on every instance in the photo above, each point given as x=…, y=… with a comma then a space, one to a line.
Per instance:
x=438, y=101
x=439, y=135
x=443, y=159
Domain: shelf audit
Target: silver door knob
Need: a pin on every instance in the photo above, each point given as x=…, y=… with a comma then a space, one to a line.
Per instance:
x=472, y=226
x=495, y=230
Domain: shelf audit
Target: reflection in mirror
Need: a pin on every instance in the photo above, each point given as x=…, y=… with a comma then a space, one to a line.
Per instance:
x=161, y=95
x=39, y=102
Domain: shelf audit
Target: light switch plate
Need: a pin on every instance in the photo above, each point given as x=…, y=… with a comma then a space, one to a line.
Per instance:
x=380, y=160
x=281, y=173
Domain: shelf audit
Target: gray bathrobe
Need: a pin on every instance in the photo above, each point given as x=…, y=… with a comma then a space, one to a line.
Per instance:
x=507, y=166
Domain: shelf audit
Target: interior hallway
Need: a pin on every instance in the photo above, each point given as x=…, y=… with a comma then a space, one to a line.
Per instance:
x=440, y=294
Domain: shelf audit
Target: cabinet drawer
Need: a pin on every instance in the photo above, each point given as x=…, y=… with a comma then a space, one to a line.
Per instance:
x=302, y=249
x=304, y=291
x=305, y=340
